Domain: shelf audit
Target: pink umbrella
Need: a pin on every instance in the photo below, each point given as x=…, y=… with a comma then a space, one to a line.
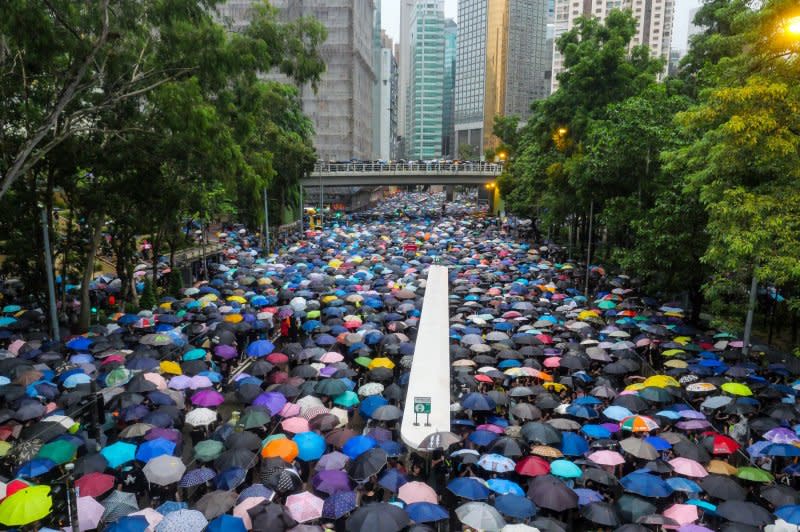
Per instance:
x=240, y=510
x=181, y=382
x=552, y=362
x=331, y=358
x=606, y=458
x=156, y=379
x=295, y=425
x=682, y=513
x=89, y=513
x=152, y=517
x=304, y=506
x=289, y=410
x=208, y=398
x=490, y=428
x=694, y=528
x=411, y=492
x=200, y=381
x=15, y=346
x=688, y=467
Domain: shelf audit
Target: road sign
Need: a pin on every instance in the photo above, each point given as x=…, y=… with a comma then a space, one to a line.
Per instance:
x=422, y=405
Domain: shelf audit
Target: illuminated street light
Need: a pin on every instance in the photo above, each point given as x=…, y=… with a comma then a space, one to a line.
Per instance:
x=562, y=131
x=793, y=27
x=489, y=186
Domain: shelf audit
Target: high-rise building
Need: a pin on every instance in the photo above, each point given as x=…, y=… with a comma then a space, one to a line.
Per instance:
x=423, y=126
x=653, y=17
x=342, y=107
x=501, y=66
x=388, y=100
x=377, y=62
x=403, y=63
x=448, y=91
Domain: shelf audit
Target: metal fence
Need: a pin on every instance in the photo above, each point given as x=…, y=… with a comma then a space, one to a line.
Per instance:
x=434, y=167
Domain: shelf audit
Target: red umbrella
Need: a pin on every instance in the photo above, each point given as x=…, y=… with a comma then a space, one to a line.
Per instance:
x=720, y=443
x=94, y=484
x=532, y=466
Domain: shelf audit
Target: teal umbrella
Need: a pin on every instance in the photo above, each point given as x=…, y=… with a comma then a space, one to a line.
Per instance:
x=347, y=399
x=119, y=453
x=208, y=450
x=565, y=469
x=194, y=354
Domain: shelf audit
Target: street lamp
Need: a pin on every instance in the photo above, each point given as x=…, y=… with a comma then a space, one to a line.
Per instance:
x=490, y=186
x=793, y=27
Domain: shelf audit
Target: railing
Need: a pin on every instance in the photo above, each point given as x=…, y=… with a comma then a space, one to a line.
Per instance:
x=438, y=167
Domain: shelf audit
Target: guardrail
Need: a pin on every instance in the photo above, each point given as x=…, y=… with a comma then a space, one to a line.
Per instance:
x=388, y=168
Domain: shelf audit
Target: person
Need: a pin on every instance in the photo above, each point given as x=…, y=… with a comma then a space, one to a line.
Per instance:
x=740, y=431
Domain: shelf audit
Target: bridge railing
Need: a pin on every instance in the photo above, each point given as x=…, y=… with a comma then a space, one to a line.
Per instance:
x=443, y=167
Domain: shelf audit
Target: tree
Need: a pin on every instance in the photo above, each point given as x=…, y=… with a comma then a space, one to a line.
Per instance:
x=467, y=152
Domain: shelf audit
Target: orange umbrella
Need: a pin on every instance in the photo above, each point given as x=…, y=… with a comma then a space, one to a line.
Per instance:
x=281, y=448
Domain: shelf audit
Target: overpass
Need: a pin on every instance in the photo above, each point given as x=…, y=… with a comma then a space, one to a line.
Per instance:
x=385, y=174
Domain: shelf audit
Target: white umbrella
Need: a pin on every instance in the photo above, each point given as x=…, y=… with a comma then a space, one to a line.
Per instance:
x=480, y=516
x=164, y=470
x=201, y=417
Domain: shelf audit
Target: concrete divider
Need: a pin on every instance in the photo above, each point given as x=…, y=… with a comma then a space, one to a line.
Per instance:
x=427, y=406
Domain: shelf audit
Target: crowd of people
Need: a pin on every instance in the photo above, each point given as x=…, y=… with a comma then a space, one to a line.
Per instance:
x=271, y=396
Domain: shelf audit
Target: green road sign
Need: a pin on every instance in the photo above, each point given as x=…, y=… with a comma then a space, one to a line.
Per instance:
x=422, y=405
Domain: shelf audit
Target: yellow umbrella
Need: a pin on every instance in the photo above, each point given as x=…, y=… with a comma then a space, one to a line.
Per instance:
x=587, y=315
x=264, y=281
x=233, y=318
x=661, y=381
x=237, y=299
x=171, y=367
x=635, y=387
x=335, y=263
x=4, y=448
x=166, y=305
x=209, y=298
x=329, y=298
x=555, y=386
x=673, y=352
x=736, y=388
x=381, y=362
x=26, y=506
x=682, y=340
x=676, y=363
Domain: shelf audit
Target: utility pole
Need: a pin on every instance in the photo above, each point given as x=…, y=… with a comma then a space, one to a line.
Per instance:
x=72, y=509
x=321, y=202
x=589, y=247
x=51, y=286
x=302, y=209
x=751, y=307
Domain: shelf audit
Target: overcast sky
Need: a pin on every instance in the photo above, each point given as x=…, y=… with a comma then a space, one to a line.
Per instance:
x=390, y=18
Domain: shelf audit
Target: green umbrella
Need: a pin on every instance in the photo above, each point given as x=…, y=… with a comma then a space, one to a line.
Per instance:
x=59, y=451
x=346, y=399
x=253, y=419
x=118, y=377
x=363, y=361
x=754, y=474
x=26, y=506
x=606, y=305
x=208, y=450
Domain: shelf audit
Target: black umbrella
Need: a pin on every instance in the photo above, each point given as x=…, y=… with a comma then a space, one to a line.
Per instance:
x=688, y=449
x=285, y=480
x=243, y=440
x=549, y=492
x=779, y=495
x=367, y=464
x=599, y=476
x=235, y=458
x=746, y=513
x=216, y=503
x=506, y=446
x=271, y=516
x=542, y=433
x=601, y=513
x=723, y=487
x=376, y=516
x=632, y=507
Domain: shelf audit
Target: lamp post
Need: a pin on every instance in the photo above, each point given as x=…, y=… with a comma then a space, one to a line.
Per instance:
x=48, y=264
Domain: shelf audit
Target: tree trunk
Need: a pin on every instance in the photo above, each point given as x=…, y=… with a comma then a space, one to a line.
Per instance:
x=697, y=299
x=88, y=271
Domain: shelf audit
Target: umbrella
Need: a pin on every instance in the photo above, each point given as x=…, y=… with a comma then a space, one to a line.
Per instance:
x=367, y=464
x=480, y=516
x=310, y=446
x=515, y=506
x=94, y=484
x=164, y=470
x=215, y=503
x=646, y=485
x=182, y=521
x=119, y=453
x=469, y=488
x=26, y=506
x=412, y=492
x=227, y=523
x=118, y=504
x=549, y=492
x=745, y=513
x=496, y=462
x=304, y=506
x=339, y=504
x=90, y=512
x=377, y=516
x=331, y=481
x=426, y=512
x=601, y=513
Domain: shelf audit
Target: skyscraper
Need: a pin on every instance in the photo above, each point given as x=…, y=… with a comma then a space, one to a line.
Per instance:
x=501, y=66
x=388, y=100
x=424, y=98
x=342, y=108
x=403, y=64
x=448, y=91
x=377, y=61
x=653, y=17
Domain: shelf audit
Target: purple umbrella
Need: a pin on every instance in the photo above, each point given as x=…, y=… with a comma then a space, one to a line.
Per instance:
x=587, y=496
x=693, y=424
x=691, y=414
x=208, y=398
x=339, y=504
x=328, y=371
x=225, y=352
x=331, y=482
x=180, y=382
x=332, y=461
x=172, y=435
x=273, y=401
x=380, y=434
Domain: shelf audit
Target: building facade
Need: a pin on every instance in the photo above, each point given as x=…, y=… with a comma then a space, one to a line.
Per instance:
x=424, y=99
x=342, y=107
x=403, y=56
x=653, y=18
x=448, y=91
x=388, y=100
x=501, y=66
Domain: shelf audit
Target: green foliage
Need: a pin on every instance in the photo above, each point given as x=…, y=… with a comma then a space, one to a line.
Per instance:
x=467, y=152
x=175, y=284
x=148, y=299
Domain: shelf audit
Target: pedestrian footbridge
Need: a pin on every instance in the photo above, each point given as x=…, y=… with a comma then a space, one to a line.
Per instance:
x=386, y=174
x=427, y=406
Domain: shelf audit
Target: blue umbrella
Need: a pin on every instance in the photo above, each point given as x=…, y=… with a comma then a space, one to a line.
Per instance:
x=683, y=484
x=789, y=513
x=781, y=449
x=646, y=485
x=80, y=343
x=358, y=445
x=226, y=523
x=573, y=445
x=705, y=505
x=469, y=488
x=482, y=438
x=617, y=413
x=325, y=340
x=392, y=480
x=582, y=411
x=339, y=504
x=504, y=487
x=426, y=512
x=565, y=469
x=153, y=448
x=36, y=467
x=596, y=431
x=370, y=404
x=392, y=448
x=310, y=325
x=119, y=453
x=310, y=446
x=195, y=477
x=660, y=444
x=194, y=354
x=478, y=402
x=515, y=506
x=260, y=348
x=230, y=478
x=587, y=496
x=128, y=523
x=587, y=400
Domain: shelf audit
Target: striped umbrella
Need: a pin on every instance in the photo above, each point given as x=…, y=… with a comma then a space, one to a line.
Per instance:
x=638, y=424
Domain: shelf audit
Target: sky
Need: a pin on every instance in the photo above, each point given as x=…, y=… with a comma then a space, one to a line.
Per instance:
x=390, y=18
